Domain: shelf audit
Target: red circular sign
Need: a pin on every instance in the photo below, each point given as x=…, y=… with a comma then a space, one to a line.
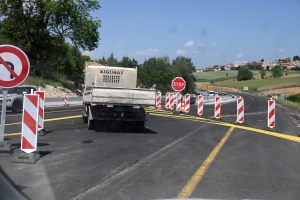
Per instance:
x=9, y=64
x=178, y=84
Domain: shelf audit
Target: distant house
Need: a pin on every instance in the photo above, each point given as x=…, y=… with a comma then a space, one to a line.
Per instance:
x=199, y=70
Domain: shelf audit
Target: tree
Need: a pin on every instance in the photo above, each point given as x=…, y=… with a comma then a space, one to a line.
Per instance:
x=127, y=62
x=262, y=72
x=244, y=74
x=277, y=71
x=38, y=27
x=268, y=68
x=262, y=60
x=111, y=60
x=296, y=58
x=156, y=71
x=185, y=68
x=102, y=61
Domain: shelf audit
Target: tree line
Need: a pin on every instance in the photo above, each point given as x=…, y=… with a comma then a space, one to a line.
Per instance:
x=159, y=71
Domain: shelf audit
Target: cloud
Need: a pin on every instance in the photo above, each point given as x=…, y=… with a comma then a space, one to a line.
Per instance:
x=180, y=52
x=213, y=44
x=148, y=52
x=119, y=45
x=281, y=50
x=198, y=52
x=217, y=54
x=189, y=44
x=207, y=54
x=201, y=45
x=239, y=55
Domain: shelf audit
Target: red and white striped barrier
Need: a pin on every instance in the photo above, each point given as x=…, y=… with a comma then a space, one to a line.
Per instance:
x=240, y=110
x=200, y=104
x=172, y=101
x=178, y=103
x=217, y=107
x=41, y=109
x=66, y=99
x=187, y=103
x=271, y=113
x=158, y=99
x=30, y=123
x=167, y=104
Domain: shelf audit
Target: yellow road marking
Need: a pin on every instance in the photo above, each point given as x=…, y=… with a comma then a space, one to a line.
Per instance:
x=12, y=134
x=49, y=120
x=196, y=178
x=210, y=121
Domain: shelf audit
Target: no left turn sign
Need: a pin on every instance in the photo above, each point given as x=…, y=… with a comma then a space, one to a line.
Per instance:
x=14, y=66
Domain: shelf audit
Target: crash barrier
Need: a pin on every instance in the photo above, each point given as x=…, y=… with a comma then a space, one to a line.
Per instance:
x=240, y=110
x=217, y=107
x=158, y=100
x=30, y=123
x=271, y=113
x=199, y=104
x=66, y=101
x=41, y=109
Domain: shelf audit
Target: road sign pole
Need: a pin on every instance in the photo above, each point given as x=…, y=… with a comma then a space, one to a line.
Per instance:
x=3, y=114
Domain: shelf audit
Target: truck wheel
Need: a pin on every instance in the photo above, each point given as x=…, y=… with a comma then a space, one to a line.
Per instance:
x=84, y=119
x=91, y=124
x=138, y=127
x=17, y=107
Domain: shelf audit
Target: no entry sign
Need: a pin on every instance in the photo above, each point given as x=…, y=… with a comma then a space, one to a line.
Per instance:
x=14, y=66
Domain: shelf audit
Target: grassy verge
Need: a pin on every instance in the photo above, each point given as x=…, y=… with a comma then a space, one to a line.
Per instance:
x=253, y=85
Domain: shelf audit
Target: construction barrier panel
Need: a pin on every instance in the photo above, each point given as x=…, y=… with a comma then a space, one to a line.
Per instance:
x=178, y=103
x=30, y=123
x=66, y=102
x=187, y=103
x=240, y=110
x=167, y=104
x=271, y=113
x=41, y=109
x=158, y=99
x=200, y=104
x=217, y=107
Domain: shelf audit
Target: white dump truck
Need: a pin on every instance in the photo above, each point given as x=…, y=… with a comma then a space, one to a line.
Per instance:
x=111, y=94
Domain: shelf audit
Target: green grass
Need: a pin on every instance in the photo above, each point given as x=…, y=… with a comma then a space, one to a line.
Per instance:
x=212, y=75
x=253, y=85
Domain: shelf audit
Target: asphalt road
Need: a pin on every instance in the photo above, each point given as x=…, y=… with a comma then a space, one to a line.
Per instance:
x=176, y=156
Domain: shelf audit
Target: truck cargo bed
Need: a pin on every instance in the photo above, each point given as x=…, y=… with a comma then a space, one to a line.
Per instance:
x=120, y=96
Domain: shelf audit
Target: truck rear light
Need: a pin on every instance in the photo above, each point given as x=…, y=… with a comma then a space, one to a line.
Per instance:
x=100, y=113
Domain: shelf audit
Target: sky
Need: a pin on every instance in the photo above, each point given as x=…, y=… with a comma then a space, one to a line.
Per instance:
x=210, y=32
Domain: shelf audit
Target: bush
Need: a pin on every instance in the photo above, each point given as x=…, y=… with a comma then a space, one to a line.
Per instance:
x=294, y=98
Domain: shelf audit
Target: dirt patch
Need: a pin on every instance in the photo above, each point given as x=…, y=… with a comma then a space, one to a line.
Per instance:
x=279, y=85
x=217, y=88
x=289, y=91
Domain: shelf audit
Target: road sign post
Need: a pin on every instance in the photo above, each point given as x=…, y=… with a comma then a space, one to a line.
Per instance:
x=14, y=68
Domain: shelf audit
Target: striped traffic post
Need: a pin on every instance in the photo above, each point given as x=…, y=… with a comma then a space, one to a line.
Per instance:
x=167, y=104
x=240, y=110
x=200, y=104
x=30, y=123
x=158, y=100
x=172, y=102
x=271, y=113
x=66, y=101
x=178, y=103
x=187, y=101
x=217, y=107
x=41, y=109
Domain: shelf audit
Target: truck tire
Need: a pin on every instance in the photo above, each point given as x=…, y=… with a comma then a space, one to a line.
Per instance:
x=138, y=126
x=84, y=119
x=91, y=124
x=17, y=107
